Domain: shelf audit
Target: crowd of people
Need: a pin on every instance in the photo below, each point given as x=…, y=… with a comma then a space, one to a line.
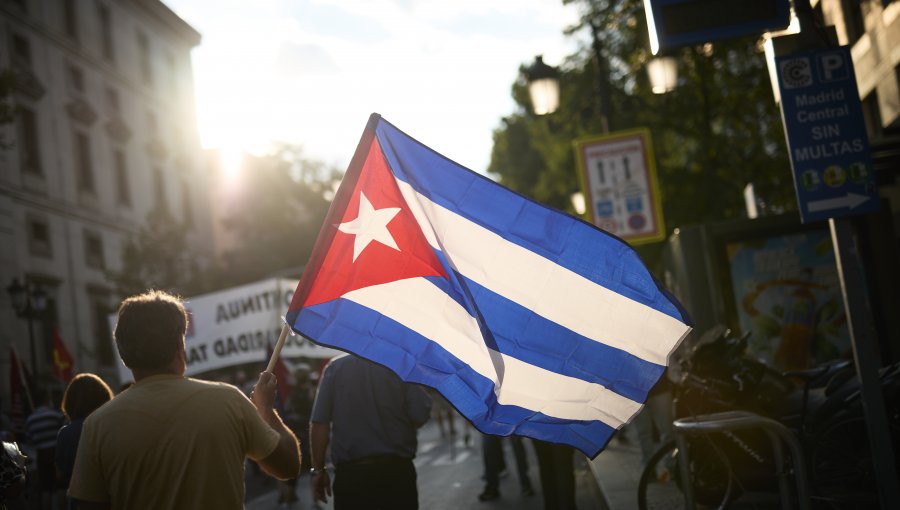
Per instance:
x=171, y=441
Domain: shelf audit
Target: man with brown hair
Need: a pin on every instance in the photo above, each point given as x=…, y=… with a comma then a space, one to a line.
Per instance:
x=171, y=441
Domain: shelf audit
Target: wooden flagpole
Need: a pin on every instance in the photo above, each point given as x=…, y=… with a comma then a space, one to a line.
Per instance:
x=276, y=352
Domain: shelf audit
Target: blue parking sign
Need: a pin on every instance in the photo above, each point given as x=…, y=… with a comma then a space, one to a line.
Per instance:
x=826, y=134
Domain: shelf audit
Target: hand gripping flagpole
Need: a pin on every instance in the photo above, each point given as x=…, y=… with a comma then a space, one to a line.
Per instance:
x=276, y=352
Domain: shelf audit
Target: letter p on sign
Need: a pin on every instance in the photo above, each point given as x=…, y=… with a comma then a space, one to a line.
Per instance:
x=832, y=67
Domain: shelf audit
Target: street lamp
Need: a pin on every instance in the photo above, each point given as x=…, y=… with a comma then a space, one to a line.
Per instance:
x=543, y=86
x=28, y=302
x=663, y=73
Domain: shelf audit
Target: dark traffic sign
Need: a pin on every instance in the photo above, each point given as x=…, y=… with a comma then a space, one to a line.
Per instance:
x=675, y=23
x=826, y=134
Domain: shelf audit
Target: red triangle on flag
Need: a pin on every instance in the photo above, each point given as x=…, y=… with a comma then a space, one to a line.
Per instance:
x=378, y=240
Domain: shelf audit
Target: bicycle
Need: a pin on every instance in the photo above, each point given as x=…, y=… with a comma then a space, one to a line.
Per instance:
x=826, y=416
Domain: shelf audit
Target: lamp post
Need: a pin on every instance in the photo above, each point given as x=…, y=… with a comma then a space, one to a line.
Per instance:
x=28, y=302
x=543, y=86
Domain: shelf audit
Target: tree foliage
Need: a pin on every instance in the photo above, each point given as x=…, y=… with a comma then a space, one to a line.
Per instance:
x=159, y=256
x=717, y=131
x=273, y=214
x=283, y=200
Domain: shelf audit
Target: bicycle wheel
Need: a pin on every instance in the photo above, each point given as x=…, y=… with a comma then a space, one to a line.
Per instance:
x=711, y=473
x=661, y=481
x=658, y=489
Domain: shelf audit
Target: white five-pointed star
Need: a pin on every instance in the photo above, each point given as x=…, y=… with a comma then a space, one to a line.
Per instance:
x=370, y=225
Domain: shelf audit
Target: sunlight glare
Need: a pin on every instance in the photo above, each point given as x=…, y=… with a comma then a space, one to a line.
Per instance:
x=231, y=158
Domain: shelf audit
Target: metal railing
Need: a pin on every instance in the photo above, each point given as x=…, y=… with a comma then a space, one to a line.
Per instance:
x=729, y=421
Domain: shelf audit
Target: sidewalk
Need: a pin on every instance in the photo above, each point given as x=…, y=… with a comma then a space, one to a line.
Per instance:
x=618, y=471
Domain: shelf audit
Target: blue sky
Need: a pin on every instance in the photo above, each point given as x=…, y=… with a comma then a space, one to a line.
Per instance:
x=311, y=71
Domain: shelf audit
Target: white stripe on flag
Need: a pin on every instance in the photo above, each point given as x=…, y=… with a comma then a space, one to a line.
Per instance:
x=550, y=290
x=422, y=307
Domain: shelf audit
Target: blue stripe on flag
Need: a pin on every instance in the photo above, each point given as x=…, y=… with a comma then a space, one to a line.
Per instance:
x=346, y=325
x=525, y=335
x=563, y=239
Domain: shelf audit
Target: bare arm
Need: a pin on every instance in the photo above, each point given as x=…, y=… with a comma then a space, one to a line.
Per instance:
x=284, y=462
x=319, y=436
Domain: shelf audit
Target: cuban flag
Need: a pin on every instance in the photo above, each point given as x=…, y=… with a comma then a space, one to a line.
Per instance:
x=529, y=321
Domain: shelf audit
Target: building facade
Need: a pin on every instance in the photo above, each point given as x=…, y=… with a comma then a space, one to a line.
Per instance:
x=104, y=134
x=872, y=30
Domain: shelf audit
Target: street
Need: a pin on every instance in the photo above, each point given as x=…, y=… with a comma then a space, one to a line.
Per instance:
x=449, y=474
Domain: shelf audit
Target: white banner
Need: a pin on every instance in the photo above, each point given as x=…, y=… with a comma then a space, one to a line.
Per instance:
x=236, y=326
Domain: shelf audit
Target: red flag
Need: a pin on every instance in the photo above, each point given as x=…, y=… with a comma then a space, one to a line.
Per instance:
x=62, y=360
x=19, y=396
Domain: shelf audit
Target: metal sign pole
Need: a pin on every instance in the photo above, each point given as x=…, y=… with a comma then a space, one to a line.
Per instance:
x=865, y=355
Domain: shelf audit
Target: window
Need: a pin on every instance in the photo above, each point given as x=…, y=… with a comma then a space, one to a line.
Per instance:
x=123, y=192
x=112, y=101
x=144, y=58
x=159, y=185
x=106, y=37
x=187, y=204
x=76, y=79
x=84, y=170
x=29, y=148
x=21, y=52
x=872, y=115
x=93, y=250
x=39, y=238
x=100, y=311
x=854, y=22
x=70, y=19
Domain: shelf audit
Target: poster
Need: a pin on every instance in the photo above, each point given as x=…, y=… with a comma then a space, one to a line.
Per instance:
x=788, y=295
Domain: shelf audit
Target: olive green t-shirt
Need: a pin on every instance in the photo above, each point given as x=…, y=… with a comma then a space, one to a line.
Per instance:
x=170, y=442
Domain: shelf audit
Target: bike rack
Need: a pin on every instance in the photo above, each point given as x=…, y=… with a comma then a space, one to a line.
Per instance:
x=740, y=420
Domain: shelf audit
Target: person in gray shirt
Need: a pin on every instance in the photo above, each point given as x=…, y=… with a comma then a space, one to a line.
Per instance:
x=370, y=417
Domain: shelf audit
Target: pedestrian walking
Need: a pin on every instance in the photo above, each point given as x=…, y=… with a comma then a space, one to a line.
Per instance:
x=556, y=463
x=370, y=418
x=170, y=441
x=85, y=393
x=41, y=428
x=495, y=465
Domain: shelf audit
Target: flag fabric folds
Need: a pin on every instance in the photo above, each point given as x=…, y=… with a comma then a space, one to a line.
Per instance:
x=20, y=402
x=529, y=321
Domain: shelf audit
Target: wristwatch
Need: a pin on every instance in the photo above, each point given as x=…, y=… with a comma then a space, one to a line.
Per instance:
x=316, y=471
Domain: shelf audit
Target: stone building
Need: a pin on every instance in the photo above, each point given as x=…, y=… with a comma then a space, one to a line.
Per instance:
x=872, y=30
x=104, y=134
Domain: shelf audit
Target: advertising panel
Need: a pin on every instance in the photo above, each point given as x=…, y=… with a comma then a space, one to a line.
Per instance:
x=787, y=294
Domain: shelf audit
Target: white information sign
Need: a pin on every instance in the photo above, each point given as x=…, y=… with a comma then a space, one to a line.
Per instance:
x=618, y=177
